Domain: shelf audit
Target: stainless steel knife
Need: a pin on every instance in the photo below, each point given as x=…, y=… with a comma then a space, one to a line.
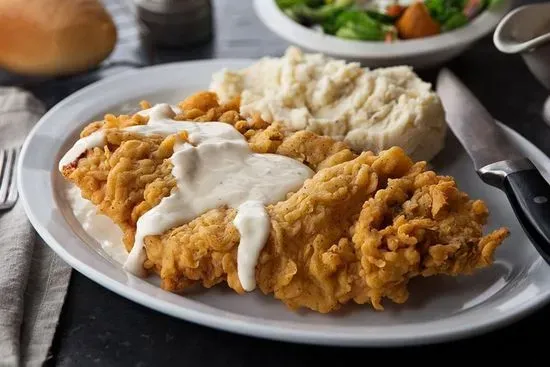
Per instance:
x=496, y=160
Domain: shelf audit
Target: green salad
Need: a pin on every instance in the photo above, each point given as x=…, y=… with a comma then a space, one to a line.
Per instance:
x=383, y=20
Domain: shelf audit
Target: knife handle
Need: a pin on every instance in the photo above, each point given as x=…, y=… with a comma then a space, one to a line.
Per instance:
x=529, y=195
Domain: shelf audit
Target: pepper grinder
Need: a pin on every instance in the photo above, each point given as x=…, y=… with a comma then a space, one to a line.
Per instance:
x=175, y=23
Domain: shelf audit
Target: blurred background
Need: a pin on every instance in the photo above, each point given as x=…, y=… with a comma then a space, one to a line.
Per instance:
x=158, y=31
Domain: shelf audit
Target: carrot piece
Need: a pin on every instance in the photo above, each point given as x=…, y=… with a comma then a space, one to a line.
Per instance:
x=416, y=22
x=394, y=10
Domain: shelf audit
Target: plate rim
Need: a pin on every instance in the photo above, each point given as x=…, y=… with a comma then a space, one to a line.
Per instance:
x=236, y=324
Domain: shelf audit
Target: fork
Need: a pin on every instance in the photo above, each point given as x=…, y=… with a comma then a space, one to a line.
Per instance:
x=8, y=187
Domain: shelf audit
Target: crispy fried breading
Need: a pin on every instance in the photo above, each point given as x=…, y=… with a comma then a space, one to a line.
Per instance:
x=357, y=231
x=420, y=224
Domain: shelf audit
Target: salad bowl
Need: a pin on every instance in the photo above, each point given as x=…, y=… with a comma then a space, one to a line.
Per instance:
x=422, y=52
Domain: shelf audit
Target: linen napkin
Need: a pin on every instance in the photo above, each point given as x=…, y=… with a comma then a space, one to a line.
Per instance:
x=33, y=280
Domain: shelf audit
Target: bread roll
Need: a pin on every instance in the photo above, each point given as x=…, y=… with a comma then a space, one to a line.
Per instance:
x=54, y=37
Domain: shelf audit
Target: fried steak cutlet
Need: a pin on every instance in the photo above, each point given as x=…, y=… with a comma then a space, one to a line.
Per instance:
x=357, y=231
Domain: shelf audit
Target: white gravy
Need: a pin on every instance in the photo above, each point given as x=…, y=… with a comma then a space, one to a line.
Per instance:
x=215, y=168
x=252, y=222
x=98, y=226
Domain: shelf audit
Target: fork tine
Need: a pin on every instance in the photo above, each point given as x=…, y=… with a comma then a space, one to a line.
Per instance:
x=12, y=195
x=6, y=175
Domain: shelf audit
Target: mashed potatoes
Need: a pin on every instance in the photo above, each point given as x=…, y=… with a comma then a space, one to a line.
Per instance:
x=368, y=109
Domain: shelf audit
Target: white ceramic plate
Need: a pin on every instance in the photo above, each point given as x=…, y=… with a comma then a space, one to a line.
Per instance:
x=440, y=308
x=419, y=53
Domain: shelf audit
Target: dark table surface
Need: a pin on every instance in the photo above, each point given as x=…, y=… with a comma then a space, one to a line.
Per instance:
x=98, y=327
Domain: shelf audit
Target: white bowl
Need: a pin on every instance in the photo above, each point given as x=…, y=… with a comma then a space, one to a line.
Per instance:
x=418, y=53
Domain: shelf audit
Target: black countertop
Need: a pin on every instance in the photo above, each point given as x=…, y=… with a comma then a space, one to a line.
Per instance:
x=98, y=327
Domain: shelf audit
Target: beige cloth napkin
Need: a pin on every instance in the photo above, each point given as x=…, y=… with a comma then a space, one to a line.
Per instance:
x=33, y=280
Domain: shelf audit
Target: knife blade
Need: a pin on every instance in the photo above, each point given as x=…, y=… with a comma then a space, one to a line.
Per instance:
x=497, y=161
x=472, y=124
